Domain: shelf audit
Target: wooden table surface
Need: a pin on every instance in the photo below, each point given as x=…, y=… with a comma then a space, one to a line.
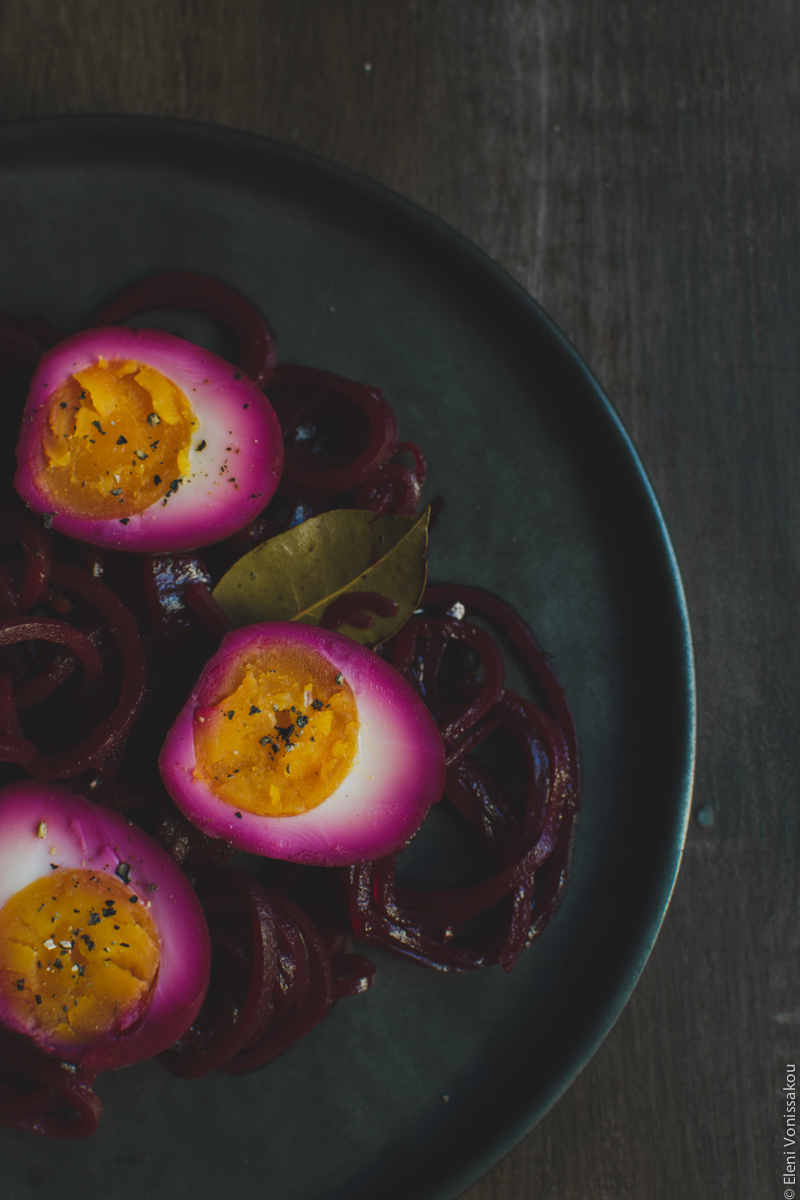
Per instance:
x=634, y=166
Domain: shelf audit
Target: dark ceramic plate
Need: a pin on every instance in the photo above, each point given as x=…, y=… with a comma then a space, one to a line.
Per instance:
x=422, y=1084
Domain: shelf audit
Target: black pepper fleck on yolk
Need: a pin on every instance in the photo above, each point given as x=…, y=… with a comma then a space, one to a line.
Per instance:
x=282, y=737
x=78, y=960
x=101, y=460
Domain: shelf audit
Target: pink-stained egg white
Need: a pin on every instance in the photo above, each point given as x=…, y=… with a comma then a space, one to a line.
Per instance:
x=52, y=842
x=224, y=472
x=381, y=792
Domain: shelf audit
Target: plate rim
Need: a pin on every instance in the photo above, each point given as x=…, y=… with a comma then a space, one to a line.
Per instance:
x=233, y=142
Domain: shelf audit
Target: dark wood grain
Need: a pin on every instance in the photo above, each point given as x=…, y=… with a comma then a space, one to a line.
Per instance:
x=635, y=167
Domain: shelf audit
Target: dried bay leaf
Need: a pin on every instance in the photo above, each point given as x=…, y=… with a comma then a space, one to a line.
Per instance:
x=348, y=559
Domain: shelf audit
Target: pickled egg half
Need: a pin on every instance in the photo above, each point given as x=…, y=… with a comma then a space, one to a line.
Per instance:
x=104, y=948
x=139, y=440
x=297, y=743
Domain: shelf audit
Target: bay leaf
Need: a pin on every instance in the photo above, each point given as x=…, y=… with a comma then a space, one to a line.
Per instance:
x=346, y=563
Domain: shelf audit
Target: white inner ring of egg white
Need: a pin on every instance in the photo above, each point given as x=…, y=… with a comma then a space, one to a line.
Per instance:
x=32, y=860
x=213, y=466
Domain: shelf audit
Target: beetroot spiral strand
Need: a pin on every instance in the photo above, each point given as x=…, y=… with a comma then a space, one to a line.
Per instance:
x=42, y=1095
x=274, y=977
x=491, y=919
x=102, y=749
x=481, y=600
x=308, y=997
x=201, y=293
x=244, y=948
x=36, y=549
x=336, y=432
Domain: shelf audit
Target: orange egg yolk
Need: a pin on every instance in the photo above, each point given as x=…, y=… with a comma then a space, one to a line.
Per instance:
x=117, y=440
x=79, y=955
x=283, y=736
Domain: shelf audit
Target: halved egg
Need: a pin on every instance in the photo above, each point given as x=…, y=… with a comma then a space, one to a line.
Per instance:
x=104, y=948
x=139, y=440
x=299, y=744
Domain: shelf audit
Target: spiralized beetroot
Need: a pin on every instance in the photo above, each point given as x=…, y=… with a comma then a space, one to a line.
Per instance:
x=492, y=918
x=41, y=1094
x=205, y=294
x=244, y=948
x=340, y=448
x=323, y=416
x=67, y=590
x=98, y=651
x=275, y=974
